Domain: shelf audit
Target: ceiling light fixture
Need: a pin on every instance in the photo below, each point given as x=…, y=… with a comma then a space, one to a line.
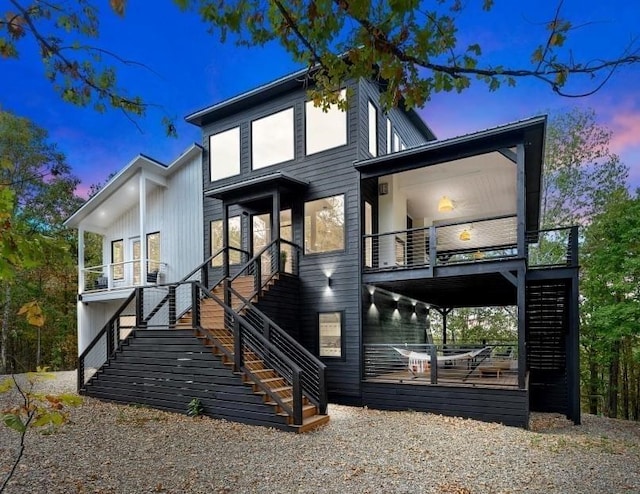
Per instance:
x=445, y=204
x=465, y=235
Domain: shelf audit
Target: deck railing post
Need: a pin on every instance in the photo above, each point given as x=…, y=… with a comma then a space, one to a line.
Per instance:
x=80, y=382
x=140, y=322
x=110, y=342
x=573, y=246
x=297, y=398
x=432, y=247
x=172, y=306
x=433, y=350
x=195, y=305
x=237, y=345
x=323, y=398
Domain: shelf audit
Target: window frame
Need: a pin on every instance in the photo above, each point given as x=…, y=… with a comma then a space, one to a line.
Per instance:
x=389, y=142
x=149, y=260
x=341, y=315
x=253, y=134
x=372, y=114
x=343, y=96
x=238, y=149
x=119, y=268
x=232, y=262
x=344, y=226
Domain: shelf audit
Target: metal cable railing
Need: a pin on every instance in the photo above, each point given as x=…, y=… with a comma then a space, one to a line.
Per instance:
x=553, y=247
x=494, y=364
x=107, y=341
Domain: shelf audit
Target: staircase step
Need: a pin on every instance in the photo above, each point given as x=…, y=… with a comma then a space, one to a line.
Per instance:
x=310, y=423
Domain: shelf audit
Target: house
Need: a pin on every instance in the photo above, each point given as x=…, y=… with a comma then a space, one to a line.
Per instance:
x=330, y=239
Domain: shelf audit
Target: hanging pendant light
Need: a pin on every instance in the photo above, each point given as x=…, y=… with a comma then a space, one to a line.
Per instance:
x=465, y=235
x=445, y=204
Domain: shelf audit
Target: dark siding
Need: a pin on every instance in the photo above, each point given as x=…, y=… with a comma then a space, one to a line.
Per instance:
x=381, y=323
x=281, y=303
x=510, y=407
x=329, y=173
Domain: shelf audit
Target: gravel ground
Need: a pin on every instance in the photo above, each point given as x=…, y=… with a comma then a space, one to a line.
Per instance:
x=107, y=448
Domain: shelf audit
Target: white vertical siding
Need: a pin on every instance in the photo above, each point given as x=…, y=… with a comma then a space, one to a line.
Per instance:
x=182, y=235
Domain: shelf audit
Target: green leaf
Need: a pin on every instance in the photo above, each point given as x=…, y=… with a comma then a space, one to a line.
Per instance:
x=6, y=385
x=13, y=421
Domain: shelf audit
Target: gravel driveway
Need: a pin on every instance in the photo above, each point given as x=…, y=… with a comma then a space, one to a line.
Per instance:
x=108, y=448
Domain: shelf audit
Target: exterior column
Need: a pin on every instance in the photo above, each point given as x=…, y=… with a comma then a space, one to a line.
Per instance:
x=143, y=228
x=225, y=239
x=275, y=216
x=521, y=204
x=81, y=276
x=522, y=323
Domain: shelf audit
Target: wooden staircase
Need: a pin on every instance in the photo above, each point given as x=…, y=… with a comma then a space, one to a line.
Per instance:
x=221, y=342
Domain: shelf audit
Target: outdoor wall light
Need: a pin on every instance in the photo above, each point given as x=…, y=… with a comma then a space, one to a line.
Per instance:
x=329, y=281
x=445, y=204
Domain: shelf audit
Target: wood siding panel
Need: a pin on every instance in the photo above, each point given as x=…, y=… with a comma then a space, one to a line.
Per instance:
x=510, y=407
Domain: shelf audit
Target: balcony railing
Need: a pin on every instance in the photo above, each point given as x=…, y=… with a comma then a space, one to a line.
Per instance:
x=441, y=245
x=125, y=274
x=494, y=364
x=553, y=248
x=488, y=239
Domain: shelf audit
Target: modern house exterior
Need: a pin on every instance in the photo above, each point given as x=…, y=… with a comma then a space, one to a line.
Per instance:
x=327, y=239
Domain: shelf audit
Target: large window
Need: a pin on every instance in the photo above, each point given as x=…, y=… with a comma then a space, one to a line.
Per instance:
x=235, y=240
x=325, y=129
x=330, y=334
x=373, y=129
x=153, y=255
x=224, y=154
x=389, y=147
x=272, y=139
x=324, y=225
x=117, y=259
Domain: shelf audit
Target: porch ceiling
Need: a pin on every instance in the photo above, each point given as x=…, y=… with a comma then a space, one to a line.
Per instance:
x=479, y=187
x=482, y=290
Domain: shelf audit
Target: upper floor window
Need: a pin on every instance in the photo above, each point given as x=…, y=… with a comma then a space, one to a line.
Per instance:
x=153, y=252
x=373, y=129
x=324, y=225
x=388, y=136
x=272, y=139
x=117, y=259
x=398, y=143
x=325, y=129
x=224, y=154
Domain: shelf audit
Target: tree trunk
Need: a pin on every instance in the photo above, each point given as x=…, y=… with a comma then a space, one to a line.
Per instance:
x=614, y=374
x=594, y=381
x=4, y=332
x=625, y=379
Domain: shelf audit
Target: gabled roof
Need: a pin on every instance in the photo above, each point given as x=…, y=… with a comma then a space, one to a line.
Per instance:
x=530, y=132
x=271, y=90
x=120, y=179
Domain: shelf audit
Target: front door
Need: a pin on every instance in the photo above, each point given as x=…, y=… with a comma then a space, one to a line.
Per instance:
x=261, y=237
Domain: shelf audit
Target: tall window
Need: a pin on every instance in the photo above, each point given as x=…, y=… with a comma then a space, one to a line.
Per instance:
x=272, y=139
x=373, y=129
x=153, y=253
x=235, y=240
x=117, y=259
x=389, y=136
x=325, y=129
x=224, y=154
x=330, y=334
x=368, y=230
x=324, y=225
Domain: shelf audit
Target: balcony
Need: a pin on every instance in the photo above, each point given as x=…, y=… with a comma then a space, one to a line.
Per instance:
x=121, y=275
x=468, y=242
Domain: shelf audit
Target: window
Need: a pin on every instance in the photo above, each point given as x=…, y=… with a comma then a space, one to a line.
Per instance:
x=235, y=240
x=396, y=142
x=324, y=225
x=224, y=154
x=388, y=136
x=272, y=139
x=368, y=230
x=117, y=259
x=373, y=130
x=330, y=334
x=153, y=255
x=325, y=130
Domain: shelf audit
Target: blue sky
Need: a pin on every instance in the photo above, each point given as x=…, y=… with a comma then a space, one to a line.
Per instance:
x=191, y=69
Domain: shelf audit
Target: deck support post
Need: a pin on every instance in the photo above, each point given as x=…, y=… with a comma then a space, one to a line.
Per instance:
x=522, y=338
x=140, y=322
x=433, y=350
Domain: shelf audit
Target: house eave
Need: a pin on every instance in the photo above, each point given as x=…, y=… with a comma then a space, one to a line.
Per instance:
x=264, y=183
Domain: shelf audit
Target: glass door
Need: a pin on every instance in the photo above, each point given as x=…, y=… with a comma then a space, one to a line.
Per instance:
x=135, y=256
